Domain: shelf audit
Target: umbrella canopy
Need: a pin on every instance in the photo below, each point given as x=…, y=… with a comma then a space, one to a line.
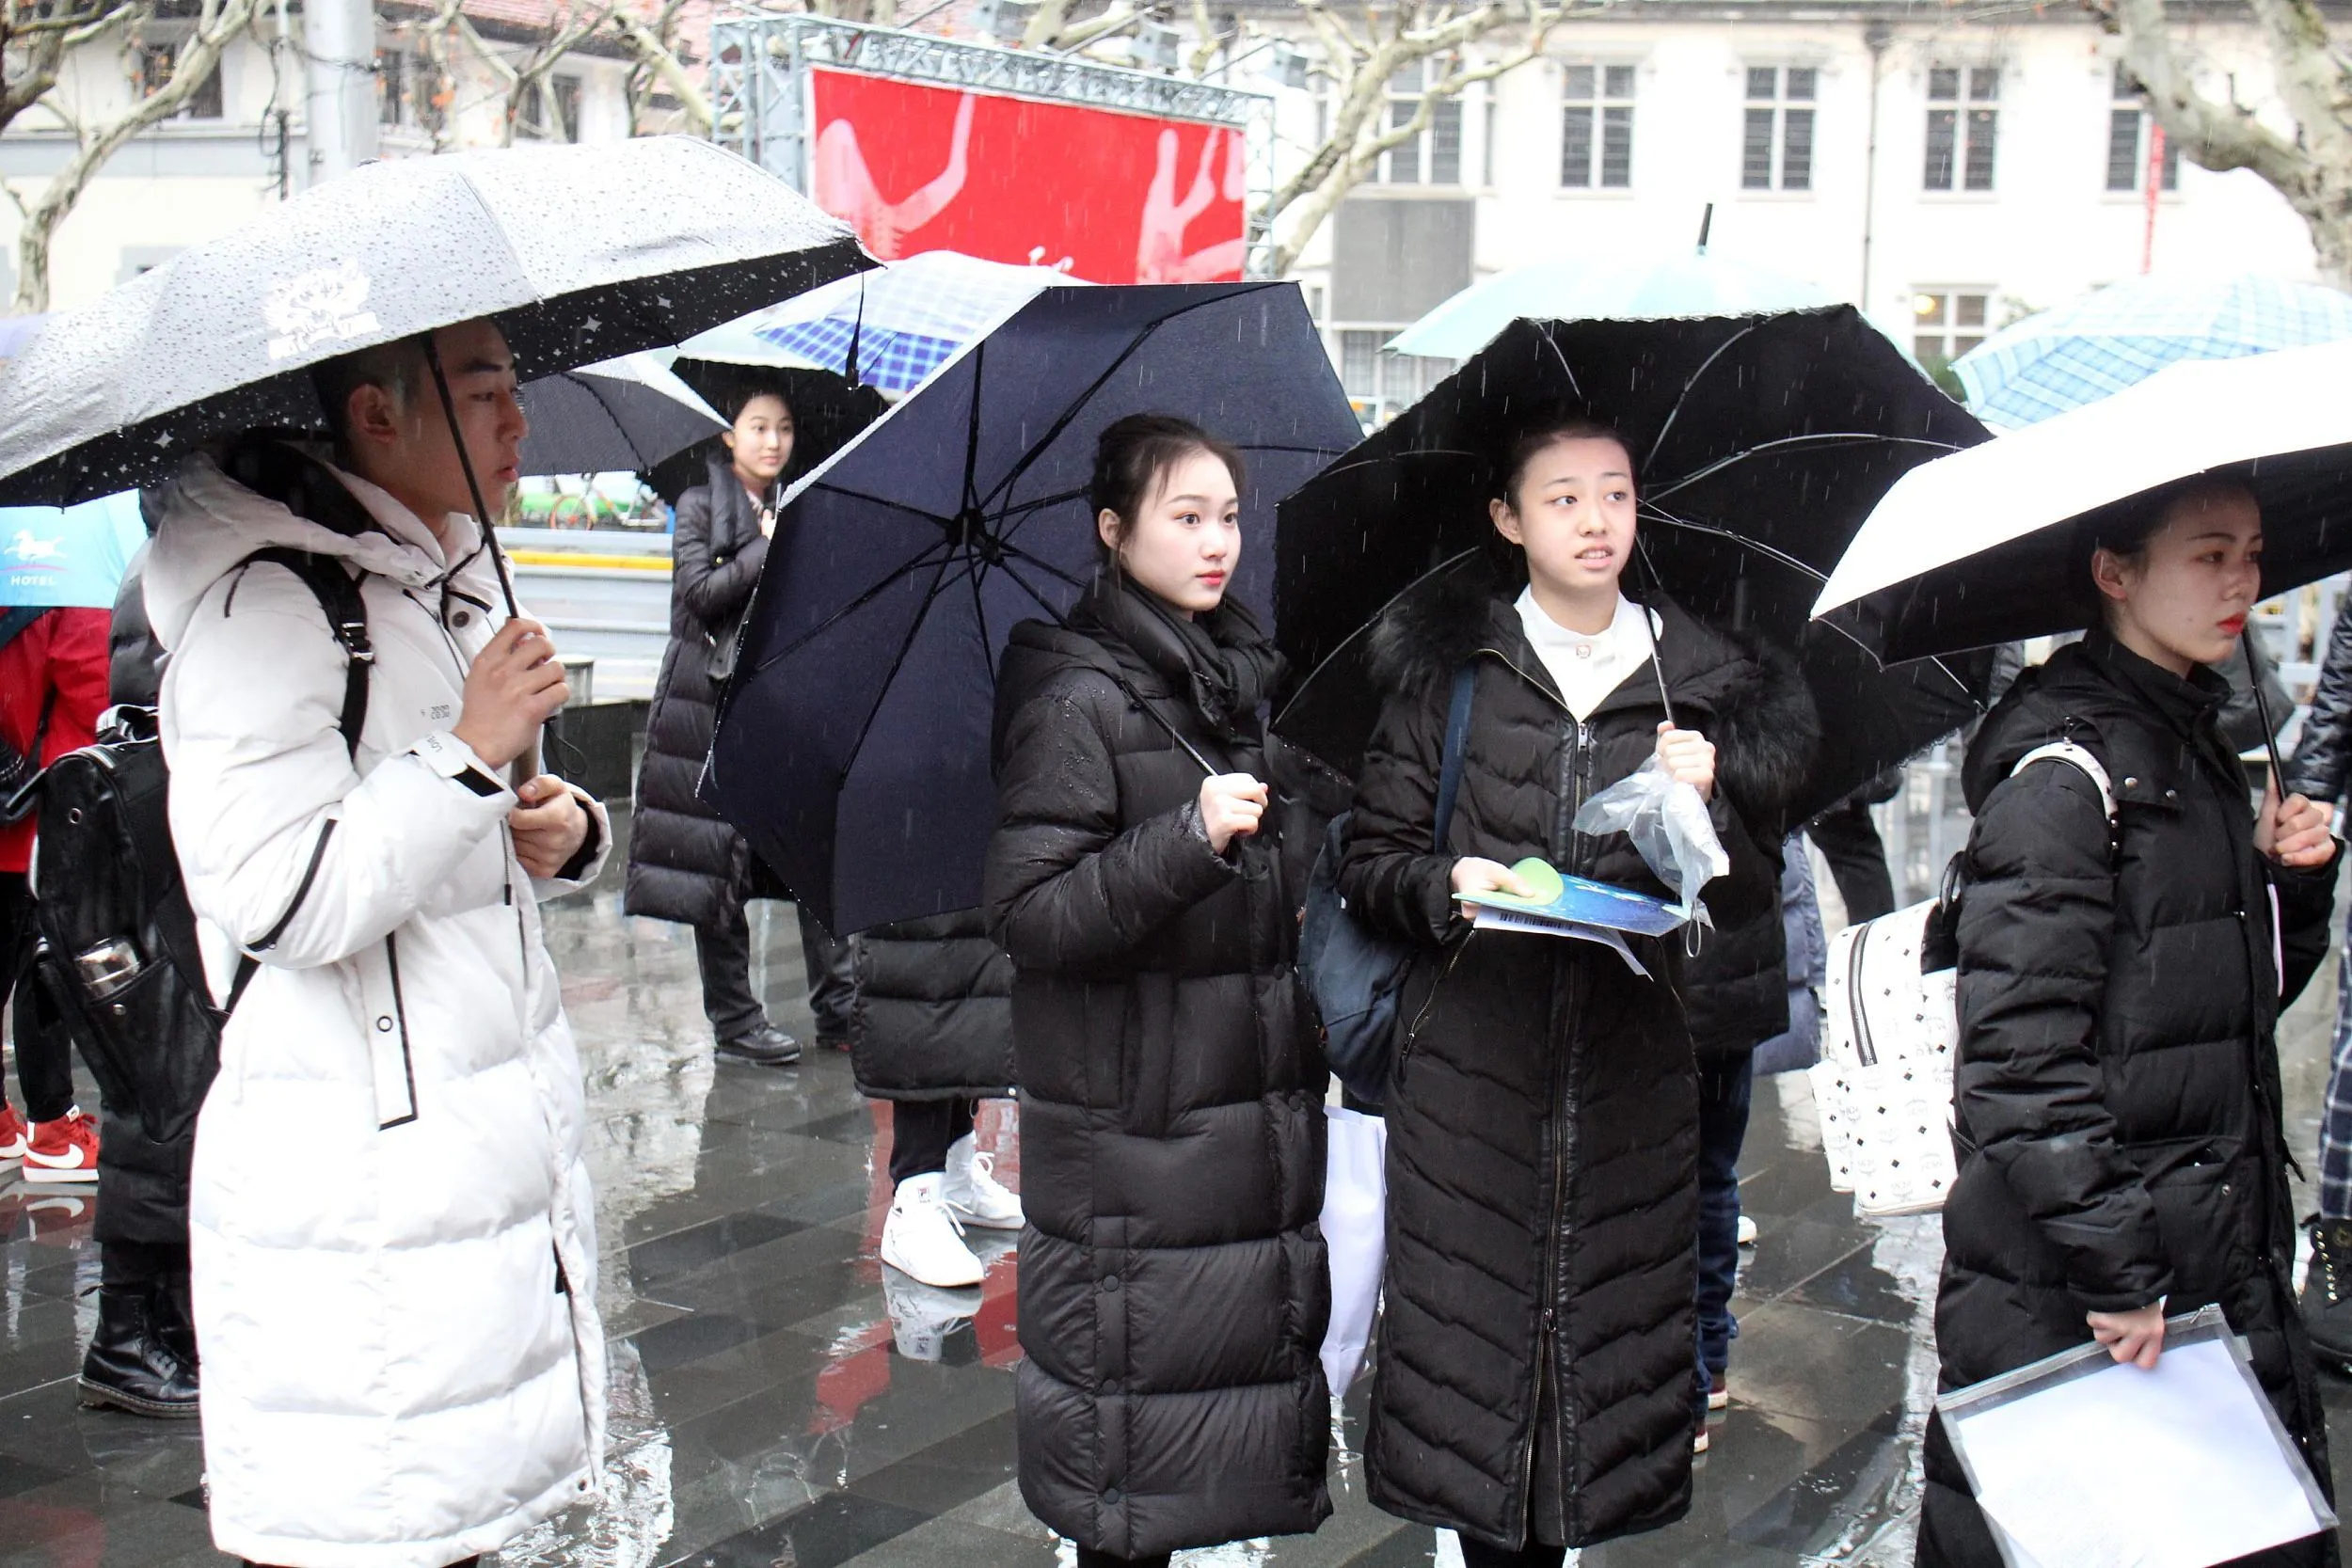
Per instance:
x=75, y=556
x=620, y=416
x=1983, y=546
x=906, y=318
x=17, y=331
x=853, y=744
x=2122, y=334
x=1627, y=288
x=1762, y=443
x=221, y=337
x=827, y=412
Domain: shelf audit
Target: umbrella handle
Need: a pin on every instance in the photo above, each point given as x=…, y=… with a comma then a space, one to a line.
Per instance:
x=526, y=765
x=2261, y=706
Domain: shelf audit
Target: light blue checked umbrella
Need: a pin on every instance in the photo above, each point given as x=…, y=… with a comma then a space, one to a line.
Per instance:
x=2125, y=333
x=905, y=322
x=1604, y=288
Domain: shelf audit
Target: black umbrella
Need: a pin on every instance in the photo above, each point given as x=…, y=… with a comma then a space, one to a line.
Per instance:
x=827, y=414
x=618, y=417
x=1762, y=442
x=581, y=254
x=853, y=744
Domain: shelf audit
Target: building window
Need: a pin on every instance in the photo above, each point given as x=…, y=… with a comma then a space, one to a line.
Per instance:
x=154, y=64
x=1596, y=128
x=1777, y=138
x=1947, y=323
x=392, y=80
x=1382, y=386
x=2129, y=126
x=1962, y=120
x=563, y=98
x=1432, y=157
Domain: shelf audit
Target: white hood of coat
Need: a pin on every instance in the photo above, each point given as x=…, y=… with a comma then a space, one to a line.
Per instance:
x=209, y=523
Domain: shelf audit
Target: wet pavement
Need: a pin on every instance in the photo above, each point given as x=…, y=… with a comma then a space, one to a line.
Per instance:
x=778, y=1403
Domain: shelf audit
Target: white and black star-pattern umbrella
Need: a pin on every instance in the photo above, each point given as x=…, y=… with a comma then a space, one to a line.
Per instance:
x=581, y=253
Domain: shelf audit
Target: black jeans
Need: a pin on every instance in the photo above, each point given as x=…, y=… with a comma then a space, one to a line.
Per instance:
x=44, y=1056
x=1724, y=1094
x=723, y=952
x=921, y=1132
x=1849, y=840
x=1477, y=1554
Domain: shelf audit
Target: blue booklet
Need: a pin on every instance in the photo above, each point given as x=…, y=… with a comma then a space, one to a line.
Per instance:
x=1576, y=906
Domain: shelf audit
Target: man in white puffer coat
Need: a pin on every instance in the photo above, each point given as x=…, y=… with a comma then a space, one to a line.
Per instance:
x=392, y=1236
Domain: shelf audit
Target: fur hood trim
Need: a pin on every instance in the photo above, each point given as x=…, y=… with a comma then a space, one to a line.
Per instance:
x=1763, y=723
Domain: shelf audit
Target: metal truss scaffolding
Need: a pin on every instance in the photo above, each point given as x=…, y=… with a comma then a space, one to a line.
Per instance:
x=759, y=63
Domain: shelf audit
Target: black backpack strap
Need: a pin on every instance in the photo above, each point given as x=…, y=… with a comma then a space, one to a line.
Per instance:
x=1458, y=721
x=338, y=593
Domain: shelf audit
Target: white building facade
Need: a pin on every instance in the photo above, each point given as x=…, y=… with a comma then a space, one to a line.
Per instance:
x=1946, y=174
x=242, y=144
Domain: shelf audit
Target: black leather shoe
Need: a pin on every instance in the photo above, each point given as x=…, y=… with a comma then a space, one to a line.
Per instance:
x=765, y=1046
x=130, y=1366
x=2327, y=1297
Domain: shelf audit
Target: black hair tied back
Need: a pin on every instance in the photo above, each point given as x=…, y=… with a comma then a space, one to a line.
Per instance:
x=1133, y=454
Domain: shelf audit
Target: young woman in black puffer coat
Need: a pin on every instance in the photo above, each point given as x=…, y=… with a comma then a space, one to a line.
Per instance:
x=1173, y=1283
x=2116, y=1096
x=1537, y=1387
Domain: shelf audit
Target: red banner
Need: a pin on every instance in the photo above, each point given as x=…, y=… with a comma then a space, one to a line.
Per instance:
x=1109, y=197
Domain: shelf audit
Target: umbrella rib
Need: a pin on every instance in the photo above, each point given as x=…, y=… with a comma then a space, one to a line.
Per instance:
x=1825, y=438
x=1688, y=387
x=1044, y=565
x=897, y=575
x=906, y=644
x=1791, y=562
x=1070, y=413
x=1338, y=468
x=832, y=489
x=1557, y=352
x=1447, y=564
x=972, y=439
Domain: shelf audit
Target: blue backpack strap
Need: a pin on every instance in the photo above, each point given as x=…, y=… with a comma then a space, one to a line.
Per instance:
x=1458, y=719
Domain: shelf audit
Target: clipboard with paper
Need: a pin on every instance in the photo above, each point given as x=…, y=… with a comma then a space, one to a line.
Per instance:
x=2081, y=1462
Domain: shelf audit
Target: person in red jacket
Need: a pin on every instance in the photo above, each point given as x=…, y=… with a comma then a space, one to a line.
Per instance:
x=52, y=688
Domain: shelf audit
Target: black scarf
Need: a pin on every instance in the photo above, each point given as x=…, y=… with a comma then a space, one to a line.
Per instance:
x=1223, y=662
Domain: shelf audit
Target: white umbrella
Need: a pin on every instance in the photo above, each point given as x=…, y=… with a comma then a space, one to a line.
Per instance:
x=1979, y=546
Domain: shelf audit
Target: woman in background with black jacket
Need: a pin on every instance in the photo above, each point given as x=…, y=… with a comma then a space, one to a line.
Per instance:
x=1173, y=1283
x=2116, y=1098
x=1536, y=1387
x=686, y=863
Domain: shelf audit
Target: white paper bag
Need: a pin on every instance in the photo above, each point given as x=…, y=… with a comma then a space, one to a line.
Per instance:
x=1355, y=1232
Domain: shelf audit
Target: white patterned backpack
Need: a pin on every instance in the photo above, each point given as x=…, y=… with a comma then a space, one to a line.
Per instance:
x=1884, y=1086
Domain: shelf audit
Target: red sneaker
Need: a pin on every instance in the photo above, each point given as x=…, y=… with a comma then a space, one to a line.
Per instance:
x=65, y=1149
x=14, y=1135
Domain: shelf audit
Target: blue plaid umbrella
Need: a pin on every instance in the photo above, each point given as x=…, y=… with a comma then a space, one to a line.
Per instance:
x=905, y=324
x=2122, y=334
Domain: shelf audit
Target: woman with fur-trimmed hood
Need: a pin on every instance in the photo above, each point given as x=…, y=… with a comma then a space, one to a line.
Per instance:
x=1537, y=1385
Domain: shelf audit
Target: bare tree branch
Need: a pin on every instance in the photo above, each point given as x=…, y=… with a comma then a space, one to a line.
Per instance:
x=217, y=21
x=2312, y=168
x=1360, y=129
x=655, y=50
x=35, y=39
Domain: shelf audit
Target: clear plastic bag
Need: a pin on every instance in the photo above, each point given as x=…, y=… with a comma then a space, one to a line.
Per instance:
x=1668, y=823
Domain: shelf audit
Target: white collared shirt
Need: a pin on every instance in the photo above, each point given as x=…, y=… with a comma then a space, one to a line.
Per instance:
x=1588, y=668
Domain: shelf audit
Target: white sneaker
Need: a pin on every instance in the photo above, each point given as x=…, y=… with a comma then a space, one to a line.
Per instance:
x=973, y=1195
x=922, y=1239
x=1747, y=1232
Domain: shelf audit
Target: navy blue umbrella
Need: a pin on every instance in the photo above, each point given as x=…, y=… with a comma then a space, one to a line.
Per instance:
x=854, y=742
